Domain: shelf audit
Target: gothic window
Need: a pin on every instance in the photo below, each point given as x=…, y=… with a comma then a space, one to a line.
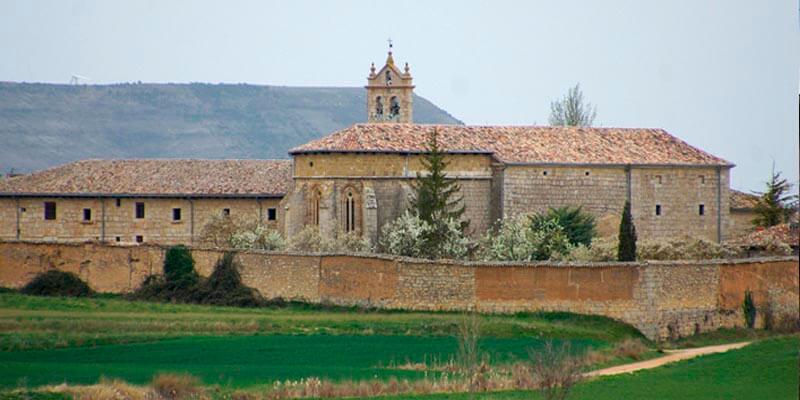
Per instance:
x=313, y=207
x=394, y=109
x=350, y=218
x=379, y=105
x=388, y=77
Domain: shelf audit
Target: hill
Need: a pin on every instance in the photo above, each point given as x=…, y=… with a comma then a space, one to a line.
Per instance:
x=42, y=125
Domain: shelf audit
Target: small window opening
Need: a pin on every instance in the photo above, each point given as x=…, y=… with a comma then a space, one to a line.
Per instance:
x=394, y=106
x=350, y=213
x=544, y=173
x=310, y=163
x=117, y=239
x=50, y=210
x=139, y=210
x=119, y=202
x=226, y=212
x=586, y=173
x=379, y=105
x=272, y=214
x=23, y=209
x=702, y=179
x=388, y=77
x=658, y=179
x=658, y=209
x=176, y=214
x=87, y=214
x=701, y=209
x=139, y=239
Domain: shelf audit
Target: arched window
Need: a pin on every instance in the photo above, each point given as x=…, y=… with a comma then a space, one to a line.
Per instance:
x=313, y=206
x=379, y=105
x=388, y=77
x=350, y=210
x=394, y=108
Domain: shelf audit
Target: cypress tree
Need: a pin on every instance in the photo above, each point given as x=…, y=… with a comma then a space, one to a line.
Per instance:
x=627, y=236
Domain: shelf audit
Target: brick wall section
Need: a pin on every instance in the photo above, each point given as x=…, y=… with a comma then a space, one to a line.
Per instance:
x=662, y=299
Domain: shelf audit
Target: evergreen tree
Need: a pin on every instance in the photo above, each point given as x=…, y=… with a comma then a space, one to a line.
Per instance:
x=179, y=267
x=436, y=197
x=773, y=205
x=627, y=236
x=436, y=202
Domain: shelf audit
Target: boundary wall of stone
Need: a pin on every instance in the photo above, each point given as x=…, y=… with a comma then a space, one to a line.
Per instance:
x=662, y=299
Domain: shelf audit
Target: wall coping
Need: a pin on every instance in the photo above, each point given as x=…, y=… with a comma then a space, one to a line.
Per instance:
x=411, y=260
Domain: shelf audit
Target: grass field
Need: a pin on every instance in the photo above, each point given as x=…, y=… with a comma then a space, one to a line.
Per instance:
x=763, y=370
x=54, y=340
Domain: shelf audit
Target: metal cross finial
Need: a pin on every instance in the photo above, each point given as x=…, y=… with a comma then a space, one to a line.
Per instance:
x=390, y=43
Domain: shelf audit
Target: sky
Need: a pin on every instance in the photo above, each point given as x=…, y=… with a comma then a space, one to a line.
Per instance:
x=721, y=75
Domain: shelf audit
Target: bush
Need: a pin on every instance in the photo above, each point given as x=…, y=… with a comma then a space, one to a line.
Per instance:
x=555, y=370
x=408, y=236
x=601, y=249
x=176, y=386
x=218, y=231
x=579, y=226
x=526, y=239
x=749, y=309
x=179, y=267
x=258, y=237
x=225, y=288
x=57, y=283
x=684, y=248
x=310, y=241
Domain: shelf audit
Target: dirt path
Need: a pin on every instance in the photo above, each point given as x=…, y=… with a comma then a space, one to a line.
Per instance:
x=672, y=356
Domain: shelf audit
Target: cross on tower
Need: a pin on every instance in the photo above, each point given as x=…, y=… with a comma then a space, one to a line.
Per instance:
x=389, y=40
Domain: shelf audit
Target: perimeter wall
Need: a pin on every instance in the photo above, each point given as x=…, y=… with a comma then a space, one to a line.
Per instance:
x=662, y=299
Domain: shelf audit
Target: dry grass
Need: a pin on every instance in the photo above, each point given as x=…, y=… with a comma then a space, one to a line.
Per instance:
x=177, y=386
x=630, y=348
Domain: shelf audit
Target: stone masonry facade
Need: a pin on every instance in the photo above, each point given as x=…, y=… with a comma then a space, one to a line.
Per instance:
x=662, y=299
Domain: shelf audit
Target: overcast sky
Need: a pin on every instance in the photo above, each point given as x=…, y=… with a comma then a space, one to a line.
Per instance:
x=721, y=75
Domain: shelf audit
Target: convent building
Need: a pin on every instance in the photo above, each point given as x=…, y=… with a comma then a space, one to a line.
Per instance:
x=360, y=178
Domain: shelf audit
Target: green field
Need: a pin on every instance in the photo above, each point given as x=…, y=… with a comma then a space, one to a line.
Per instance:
x=54, y=340
x=763, y=370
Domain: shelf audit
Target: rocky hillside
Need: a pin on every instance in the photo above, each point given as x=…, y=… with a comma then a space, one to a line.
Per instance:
x=42, y=125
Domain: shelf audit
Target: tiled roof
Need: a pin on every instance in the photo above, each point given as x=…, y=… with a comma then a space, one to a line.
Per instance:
x=786, y=233
x=743, y=201
x=522, y=144
x=160, y=177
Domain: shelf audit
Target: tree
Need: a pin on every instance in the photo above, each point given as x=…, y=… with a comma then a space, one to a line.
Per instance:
x=627, y=236
x=773, y=206
x=436, y=201
x=435, y=195
x=572, y=110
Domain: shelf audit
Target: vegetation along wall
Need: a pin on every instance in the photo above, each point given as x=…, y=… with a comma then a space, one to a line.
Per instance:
x=664, y=299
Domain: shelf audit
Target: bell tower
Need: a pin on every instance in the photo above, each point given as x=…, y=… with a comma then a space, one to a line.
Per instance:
x=389, y=93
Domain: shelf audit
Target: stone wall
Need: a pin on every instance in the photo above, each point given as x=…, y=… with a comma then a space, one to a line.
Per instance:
x=602, y=191
x=114, y=219
x=662, y=299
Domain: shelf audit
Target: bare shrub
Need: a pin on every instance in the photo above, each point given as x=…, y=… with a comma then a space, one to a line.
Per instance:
x=471, y=361
x=105, y=389
x=176, y=386
x=555, y=370
x=630, y=348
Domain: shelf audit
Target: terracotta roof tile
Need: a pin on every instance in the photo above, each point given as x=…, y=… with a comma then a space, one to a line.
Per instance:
x=743, y=201
x=522, y=144
x=157, y=177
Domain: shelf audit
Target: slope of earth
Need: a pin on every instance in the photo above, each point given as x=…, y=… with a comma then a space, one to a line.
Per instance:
x=42, y=125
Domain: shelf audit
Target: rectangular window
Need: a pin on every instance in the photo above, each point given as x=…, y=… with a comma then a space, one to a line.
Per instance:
x=119, y=202
x=49, y=210
x=139, y=239
x=702, y=179
x=701, y=209
x=139, y=210
x=117, y=238
x=226, y=212
x=87, y=214
x=272, y=214
x=658, y=209
x=176, y=214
